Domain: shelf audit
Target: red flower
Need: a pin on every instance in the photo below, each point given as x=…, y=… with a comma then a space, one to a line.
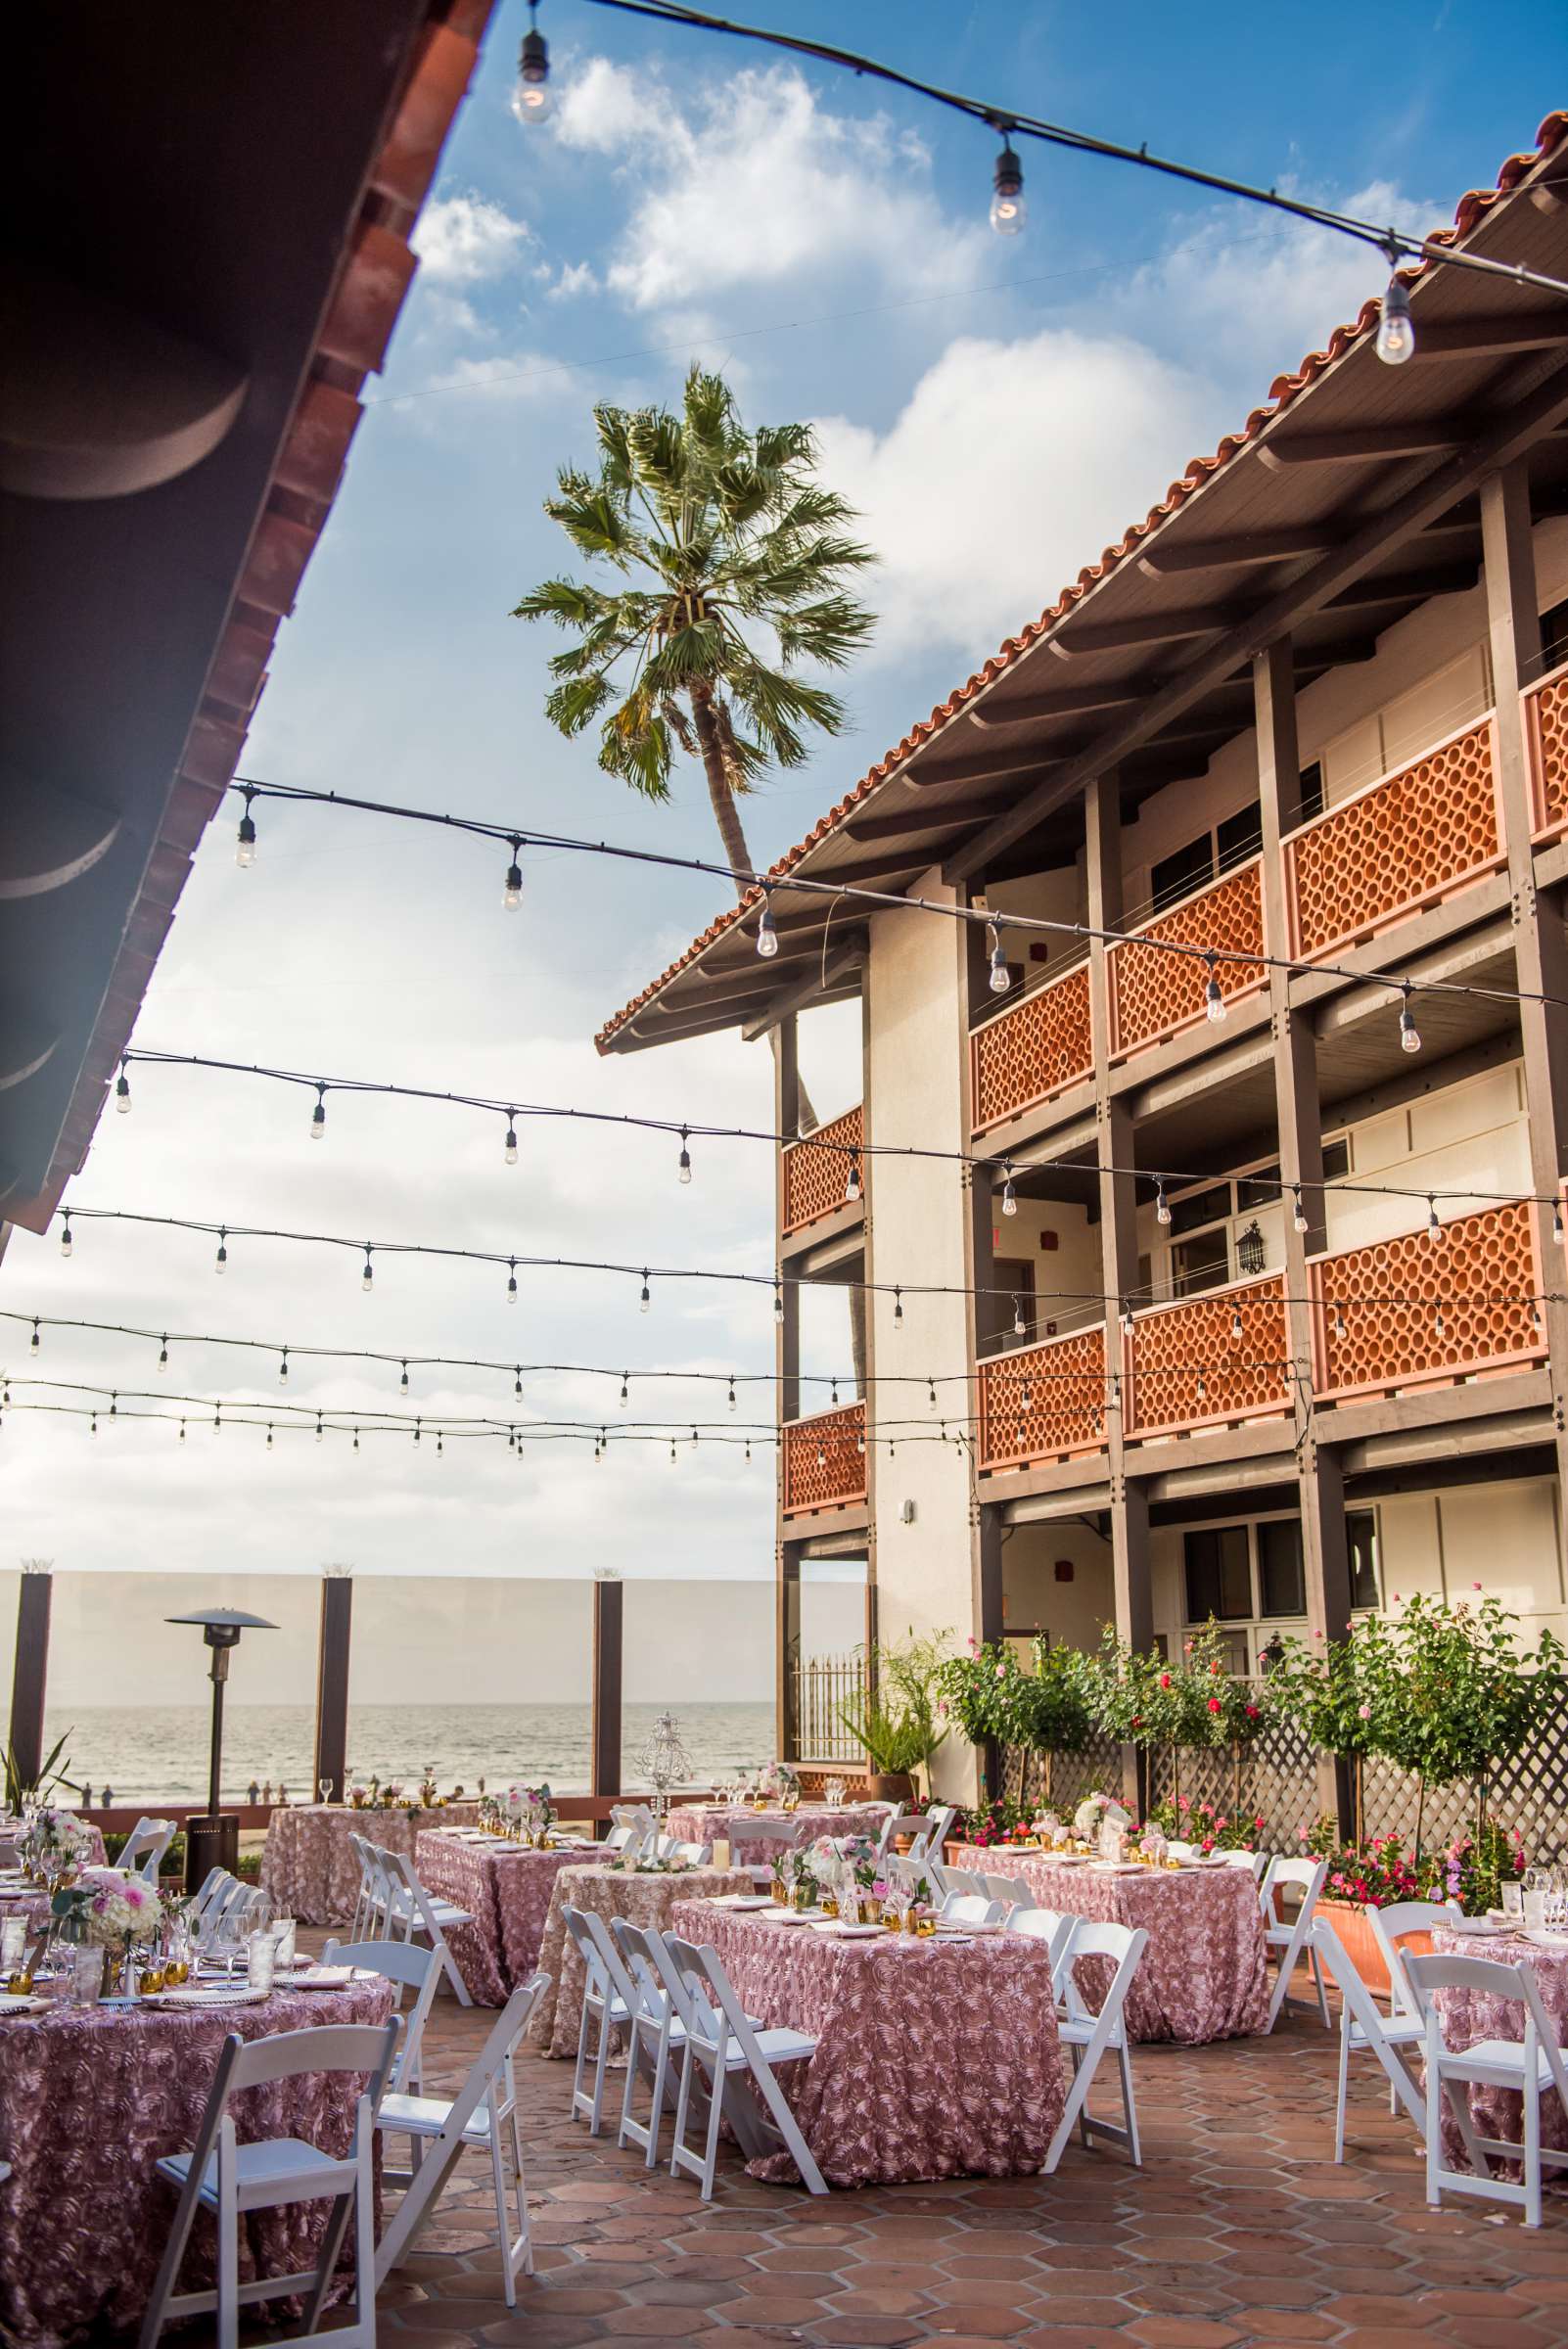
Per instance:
x=1214, y=1706
x=1165, y=1679
x=1214, y=1664
x=1252, y=1712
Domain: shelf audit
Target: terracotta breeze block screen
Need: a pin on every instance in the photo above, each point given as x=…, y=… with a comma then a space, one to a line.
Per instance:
x=1429, y=828
x=1420, y=1306
x=1545, y=710
x=1154, y=994
x=817, y=1173
x=1032, y=1050
x=823, y=1464
x=1043, y=1403
x=1187, y=1368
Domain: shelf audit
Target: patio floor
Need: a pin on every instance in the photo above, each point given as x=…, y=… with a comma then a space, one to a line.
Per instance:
x=1239, y=2229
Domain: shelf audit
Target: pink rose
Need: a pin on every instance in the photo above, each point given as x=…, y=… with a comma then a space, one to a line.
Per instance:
x=1363, y=1712
x=1001, y=1672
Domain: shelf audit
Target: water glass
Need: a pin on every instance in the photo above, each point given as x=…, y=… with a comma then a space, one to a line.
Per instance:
x=1512, y=1900
x=283, y=1930
x=12, y=1945
x=261, y=1958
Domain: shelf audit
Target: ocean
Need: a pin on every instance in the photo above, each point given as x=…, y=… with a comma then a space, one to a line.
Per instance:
x=158, y=1753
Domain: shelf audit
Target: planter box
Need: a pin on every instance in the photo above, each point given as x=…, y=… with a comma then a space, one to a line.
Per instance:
x=1354, y=1924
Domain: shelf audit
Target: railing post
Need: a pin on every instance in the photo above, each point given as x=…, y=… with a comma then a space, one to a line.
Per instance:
x=1325, y=1549
x=30, y=1669
x=332, y=1679
x=609, y=1593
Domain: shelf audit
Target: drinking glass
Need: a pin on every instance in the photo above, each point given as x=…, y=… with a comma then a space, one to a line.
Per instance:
x=13, y=1944
x=324, y=1790
x=261, y=1958
x=283, y=1930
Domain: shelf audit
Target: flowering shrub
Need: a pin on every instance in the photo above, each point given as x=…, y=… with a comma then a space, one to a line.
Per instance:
x=1001, y=1822
x=1385, y=1869
x=1210, y=1830
x=1044, y=1710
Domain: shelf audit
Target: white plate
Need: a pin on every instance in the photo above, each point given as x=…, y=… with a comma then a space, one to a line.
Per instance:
x=792, y=1917
x=833, y=1924
x=742, y=1900
x=242, y=1995
x=1475, y=1928
x=1545, y=1937
x=17, y=2006
x=326, y=1977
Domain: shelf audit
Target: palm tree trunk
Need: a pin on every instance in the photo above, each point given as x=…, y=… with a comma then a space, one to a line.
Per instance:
x=726, y=815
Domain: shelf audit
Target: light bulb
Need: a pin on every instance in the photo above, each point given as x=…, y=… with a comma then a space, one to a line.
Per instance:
x=898, y=1308
x=318, y=1120
x=1000, y=979
x=511, y=1286
x=644, y=1300
x=1433, y=1226
x=1300, y=1216
x=1026, y=1396
x=244, y=851
x=220, y=1263
x=1007, y=213
x=162, y=1356
x=1161, y=1204
x=685, y=1156
x=404, y=1381
x=511, y=1145
x=767, y=935
x=1556, y=1233
x=1235, y=1325
x=852, y=1188
x=65, y=1237
x=269, y=1435
x=1339, y=1322
x=530, y=101
x=625, y=1397
x=732, y=1394
x=859, y=1438
x=1396, y=335
x=320, y=1430
x=1009, y=1204
x=368, y=1279
x=1214, y=1002
x=1126, y=1319
x=512, y=893
x=182, y=1431
x=283, y=1368
x=778, y=1303
x=123, y=1093
x=1409, y=1037
x=1018, y=1319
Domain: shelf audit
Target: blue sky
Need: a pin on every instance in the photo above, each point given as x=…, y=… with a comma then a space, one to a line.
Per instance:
x=1000, y=409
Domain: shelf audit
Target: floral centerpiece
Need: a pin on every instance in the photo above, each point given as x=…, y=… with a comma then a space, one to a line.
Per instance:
x=53, y=1841
x=358, y=1798
x=1209, y=1829
x=1096, y=1813
x=780, y=1782
x=107, y=1909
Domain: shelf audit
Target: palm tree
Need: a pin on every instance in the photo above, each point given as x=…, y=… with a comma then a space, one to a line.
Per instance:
x=732, y=561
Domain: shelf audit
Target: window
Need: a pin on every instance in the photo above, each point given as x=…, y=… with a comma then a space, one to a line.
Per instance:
x=1280, y=1571
x=1336, y=1159
x=1311, y=791
x=1555, y=634
x=1186, y=869
x=1219, y=1574
x=1199, y=1207
x=1360, y=1532
x=1200, y=1263
x=1240, y=835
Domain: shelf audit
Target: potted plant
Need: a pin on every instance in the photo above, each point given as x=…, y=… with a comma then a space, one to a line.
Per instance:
x=895, y=1715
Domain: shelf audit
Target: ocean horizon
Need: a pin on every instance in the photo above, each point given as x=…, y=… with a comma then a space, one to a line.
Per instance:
x=158, y=1753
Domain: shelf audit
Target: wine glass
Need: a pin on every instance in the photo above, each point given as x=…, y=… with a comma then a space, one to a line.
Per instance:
x=324, y=1788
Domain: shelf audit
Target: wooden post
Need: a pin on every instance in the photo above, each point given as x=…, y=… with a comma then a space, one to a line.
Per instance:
x=332, y=1680
x=30, y=1672
x=868, y=1364
x=608, y=1621
x=1119, y=1246
x=786, y=1642
x=1539, y=939
x=1325, y=1547
x=990, y=1610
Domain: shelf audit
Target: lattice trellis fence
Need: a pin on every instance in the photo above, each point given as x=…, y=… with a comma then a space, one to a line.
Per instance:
x=1278, y=1783
x=1530, y=1794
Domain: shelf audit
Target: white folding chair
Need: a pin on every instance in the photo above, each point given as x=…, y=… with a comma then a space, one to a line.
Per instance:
x=1053, y=1927
x=1363, y=2030
x=1255, y=1863
x=368, y=1916
x=658, y=2036
x=1532, y=2067
x=609, y=2002
x=144, y=1847
x=632, y=1826
x=722, y=2043
x=926, y=1829
x=1390, y=1927
x=225, y=2178
x=410, y=1967
x=483, y=2108
x=772, y=1834
x=411, y=1910
x=694, y=1855
x=1011, y=1891
x=1287, y=1943
x=971, y=1908
x=1089, y=2036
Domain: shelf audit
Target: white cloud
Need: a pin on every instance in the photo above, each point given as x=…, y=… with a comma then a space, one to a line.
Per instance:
x=759, y=185
x=577, y=277
x=465, y=240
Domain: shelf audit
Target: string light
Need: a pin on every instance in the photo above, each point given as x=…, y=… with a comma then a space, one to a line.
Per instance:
x=898, y=1308
x=684, y=1168
x=511, y=1280
x=1127, y=1318
x=162, y=1354
x=930, y=1391
x=35, y=1342
x=732, y=1395
x=1214, y=1002
x=511, y=1137
x=511, y=891
x=220, y=1263
x=1409, y=1036
x=1339, y=1322
x=852, y=1187
x=624, y=1393
x=1437, y=1320
x=778, y=1302
x=644, y=1300
x=767, y=935
x=320, y=1429
x=1235, y=1325
x=123, y=1099
x=404, y=1381
x=283, y=1370
x=1556, y=1233
x=269, y=1435
x=318, y=1116
x=1009, y=1198
x=1007, y=208
x=245, y=851
x=1396, y=335
x=531, y=101
x=367, y=1280
x=517, y=1381
x=64, y=1233
x=1018, y=1318
x=1161, y=1204
x=1300, y=1216
x=1433, y=1226
x=1002, y=977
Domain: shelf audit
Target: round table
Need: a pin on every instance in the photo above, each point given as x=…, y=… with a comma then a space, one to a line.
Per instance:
x=90, y=2098
x=642, y=1899
x=1204, y=1973
x=703, y=1822
x=506, y=1888
x=934, y=2058
x=308, y=1869
x=92, y=1855
x=1469, y=2015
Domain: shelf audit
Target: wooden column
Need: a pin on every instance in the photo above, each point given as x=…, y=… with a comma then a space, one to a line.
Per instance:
x=1326, y=1551
x=868, y=1396
x=1131, y=1578
x=786, y=1645
x=1539, y=940
x=609, y=1594
x=332, y=1682
x=787, y=1336
x=30, y=1672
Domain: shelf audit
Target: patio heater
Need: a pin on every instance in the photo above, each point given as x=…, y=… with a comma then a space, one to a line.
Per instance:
x=214, y=1841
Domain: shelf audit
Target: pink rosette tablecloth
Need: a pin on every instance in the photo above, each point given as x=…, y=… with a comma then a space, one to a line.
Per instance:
x=1204, y=1973
x=644, y=1899
x=693, y=1824
x=89, y=2100
x=933, y=2059
x=506, y=1891
x=92, y=1855
x=308, y=1869
x=1469, y=2015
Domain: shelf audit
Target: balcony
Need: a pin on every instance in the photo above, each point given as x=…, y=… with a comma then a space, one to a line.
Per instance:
x=1042, y=1402
x=818, y=1171
x=1032, y=1050
x=1208, y=1360
x=1154, y=995
x=1428, y=1308
x=1432, y=827
x=824, y=1460
x=1545, y=717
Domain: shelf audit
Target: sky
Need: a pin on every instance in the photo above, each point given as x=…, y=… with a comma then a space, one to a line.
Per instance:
x=999, y=411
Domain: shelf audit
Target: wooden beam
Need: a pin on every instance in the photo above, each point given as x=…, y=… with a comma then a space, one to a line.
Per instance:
x=848, y=955
x=912, y=820
x=29, y=1672
x=1479, y=338
x=1364, y=443
x=332, y=1683
x=1126, y=635
x=1421, y=503
x=1167, y=557
x=979, y=768
x=1409, y=587
x=608, y=1645
x=1028, y=709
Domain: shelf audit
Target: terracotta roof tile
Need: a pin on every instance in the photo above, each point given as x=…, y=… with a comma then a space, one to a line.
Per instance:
x=1284, y=389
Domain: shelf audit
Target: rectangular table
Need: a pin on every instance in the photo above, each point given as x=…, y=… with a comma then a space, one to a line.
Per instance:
x=506, y=1888
x=1204, y=1974
x=644, y=1899
x=933, y=2059
x=702, y=1822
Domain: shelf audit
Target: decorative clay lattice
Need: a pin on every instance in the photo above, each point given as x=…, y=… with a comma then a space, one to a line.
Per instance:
x=1154, y=994
x=1189, y=1365
x=1545, y=710
x=1031, y=1051
x=1428, y=1305
x=1043, y=1403
x=816, y=1173
x=823, y=1464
